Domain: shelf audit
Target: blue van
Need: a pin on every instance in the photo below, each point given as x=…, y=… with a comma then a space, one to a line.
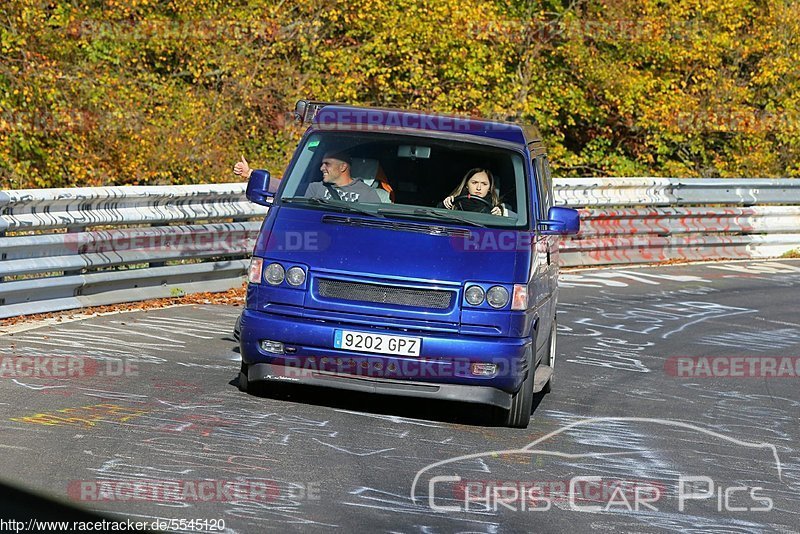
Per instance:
x=421, y=289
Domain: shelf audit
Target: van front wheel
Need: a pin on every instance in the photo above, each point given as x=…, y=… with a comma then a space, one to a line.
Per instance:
x=519, y=415
x=244, y=383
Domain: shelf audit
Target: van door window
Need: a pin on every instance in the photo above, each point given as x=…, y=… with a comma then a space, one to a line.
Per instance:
x=541, y=189
x=547, y=183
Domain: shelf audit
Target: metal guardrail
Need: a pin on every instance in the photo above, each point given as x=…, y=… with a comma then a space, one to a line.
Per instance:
x=74, y=208
x=628, y=192
x=70, y=248
x=647, y=235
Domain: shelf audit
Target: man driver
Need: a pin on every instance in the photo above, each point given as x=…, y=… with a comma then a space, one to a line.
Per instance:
x=336, y=180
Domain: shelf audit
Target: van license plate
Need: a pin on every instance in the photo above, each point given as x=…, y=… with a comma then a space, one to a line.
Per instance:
x=378, y=343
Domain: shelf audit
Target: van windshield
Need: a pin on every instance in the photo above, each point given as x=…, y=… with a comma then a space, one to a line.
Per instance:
x=406, y=176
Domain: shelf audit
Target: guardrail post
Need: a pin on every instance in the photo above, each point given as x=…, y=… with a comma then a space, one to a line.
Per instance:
x=74, y=230
x=158, y=263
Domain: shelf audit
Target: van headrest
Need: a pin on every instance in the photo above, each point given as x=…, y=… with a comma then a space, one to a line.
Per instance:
x=364, y=168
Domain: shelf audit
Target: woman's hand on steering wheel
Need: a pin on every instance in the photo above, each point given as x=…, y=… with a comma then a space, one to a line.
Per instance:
x=485, y=208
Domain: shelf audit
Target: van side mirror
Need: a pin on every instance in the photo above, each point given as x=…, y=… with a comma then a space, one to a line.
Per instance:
x=561, y=221
x=261, y=186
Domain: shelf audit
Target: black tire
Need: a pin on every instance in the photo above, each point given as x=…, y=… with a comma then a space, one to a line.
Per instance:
x=237, y=328
x=244, y=383
x=550, y=358
x=519, y=415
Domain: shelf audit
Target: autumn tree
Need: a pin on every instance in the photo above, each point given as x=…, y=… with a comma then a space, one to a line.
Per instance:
x=153, y=92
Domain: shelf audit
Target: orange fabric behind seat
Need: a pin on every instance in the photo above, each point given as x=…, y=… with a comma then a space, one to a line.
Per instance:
x=384, y=181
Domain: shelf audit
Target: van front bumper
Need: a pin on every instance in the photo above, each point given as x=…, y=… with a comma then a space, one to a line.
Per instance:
x=383, y=386
x=443, y=370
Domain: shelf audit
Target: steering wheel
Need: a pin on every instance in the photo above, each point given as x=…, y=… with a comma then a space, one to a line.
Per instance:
x=486, y=206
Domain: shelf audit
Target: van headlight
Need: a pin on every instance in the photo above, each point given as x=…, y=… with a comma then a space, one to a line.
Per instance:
x=497, y=296
x=295, y=276
x=274, y=274
x=474, y=295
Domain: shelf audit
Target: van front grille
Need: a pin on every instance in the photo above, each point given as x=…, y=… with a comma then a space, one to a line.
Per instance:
x=400, y=296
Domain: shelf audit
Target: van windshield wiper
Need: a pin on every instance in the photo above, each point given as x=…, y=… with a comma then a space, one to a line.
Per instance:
x=335, y=204
x=430, y=214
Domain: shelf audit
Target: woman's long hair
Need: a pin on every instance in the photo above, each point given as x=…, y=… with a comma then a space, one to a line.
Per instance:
x=462, y=187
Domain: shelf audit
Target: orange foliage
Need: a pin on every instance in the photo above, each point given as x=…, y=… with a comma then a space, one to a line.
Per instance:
x=149, y=92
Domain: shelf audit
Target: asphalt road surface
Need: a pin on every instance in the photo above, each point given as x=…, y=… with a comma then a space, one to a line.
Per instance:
x=675, y=407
